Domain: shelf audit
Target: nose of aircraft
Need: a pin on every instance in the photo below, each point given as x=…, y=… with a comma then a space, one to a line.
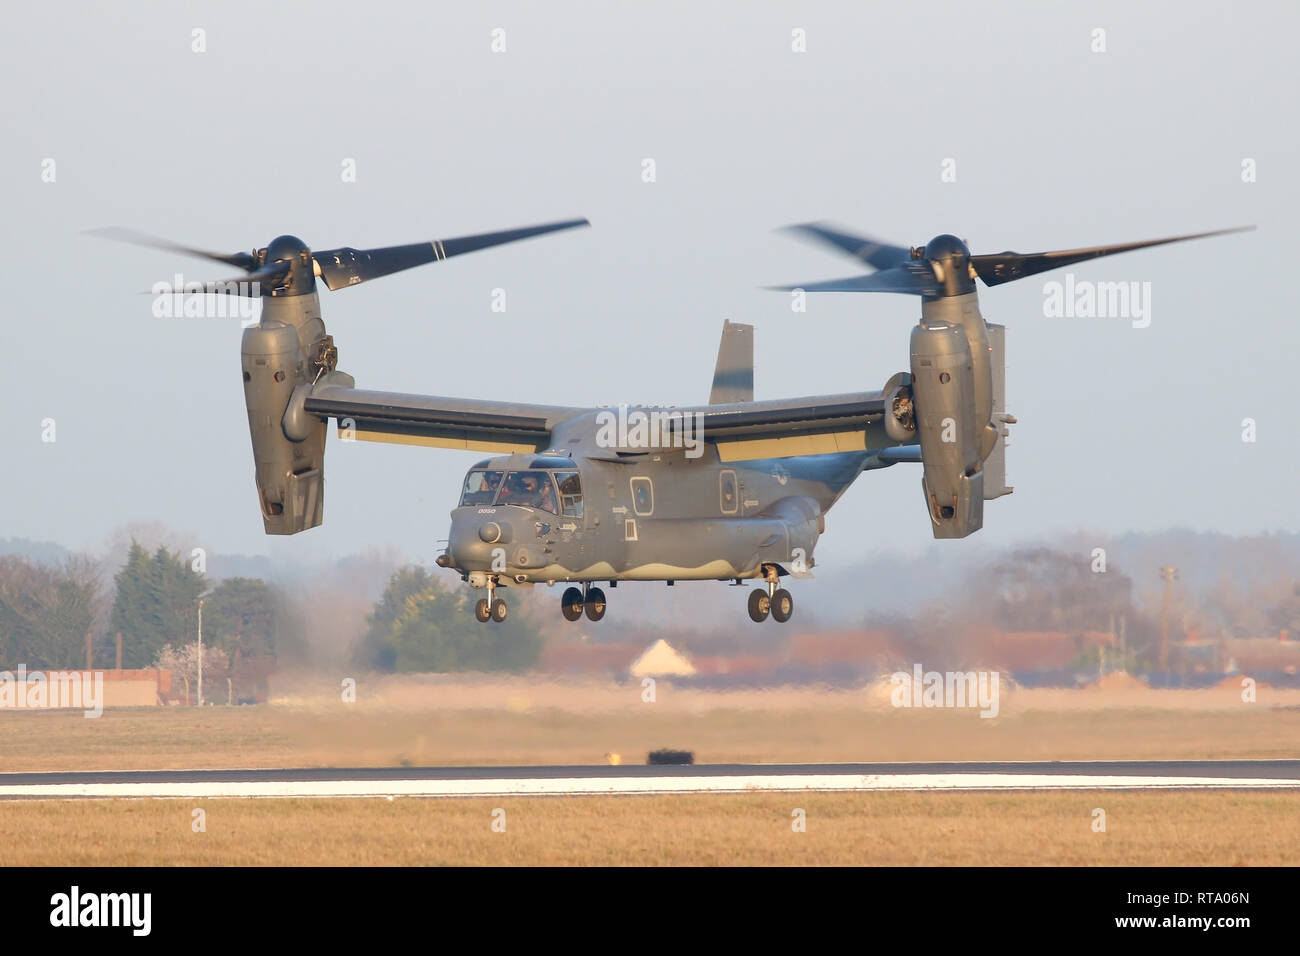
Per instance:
x=474, y=538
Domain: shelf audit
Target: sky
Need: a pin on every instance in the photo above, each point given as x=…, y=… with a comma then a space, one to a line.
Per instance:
x=1006, y=124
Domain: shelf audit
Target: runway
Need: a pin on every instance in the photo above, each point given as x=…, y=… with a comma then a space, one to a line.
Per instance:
x=639, y=779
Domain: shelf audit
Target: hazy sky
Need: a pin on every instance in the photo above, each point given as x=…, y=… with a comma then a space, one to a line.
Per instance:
x=1054, y=146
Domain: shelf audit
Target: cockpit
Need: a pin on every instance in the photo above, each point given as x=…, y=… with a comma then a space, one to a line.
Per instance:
x=549, y=484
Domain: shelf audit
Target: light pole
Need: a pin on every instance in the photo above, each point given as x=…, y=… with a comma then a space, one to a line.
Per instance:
x=202, y=597
x=1168, y=574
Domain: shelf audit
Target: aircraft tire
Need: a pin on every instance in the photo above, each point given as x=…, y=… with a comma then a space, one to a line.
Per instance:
x=782, y=606
x=595, y=604
x=571, y=604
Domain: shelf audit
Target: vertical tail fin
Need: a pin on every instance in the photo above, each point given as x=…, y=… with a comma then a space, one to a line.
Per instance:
x=733, y=376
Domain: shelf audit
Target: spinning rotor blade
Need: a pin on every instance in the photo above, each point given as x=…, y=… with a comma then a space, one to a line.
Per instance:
x=266, y=278
x=912, y=278
x=240, y=260
x=256, y=283
x=878, y=255
x=344, y=267
x=1001, y=267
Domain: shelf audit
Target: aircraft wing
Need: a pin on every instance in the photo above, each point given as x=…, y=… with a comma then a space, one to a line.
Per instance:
x=497, y=427
x=817, y=425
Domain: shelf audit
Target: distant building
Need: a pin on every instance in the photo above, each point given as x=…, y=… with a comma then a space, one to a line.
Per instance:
x=76, y=689
x=661, y=659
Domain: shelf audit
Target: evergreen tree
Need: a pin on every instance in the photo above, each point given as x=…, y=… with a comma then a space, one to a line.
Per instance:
x=156, y=604
x=420, y=625
x=376, y=648
x=241, y=617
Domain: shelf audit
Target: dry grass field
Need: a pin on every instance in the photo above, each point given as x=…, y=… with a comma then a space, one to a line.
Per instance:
x=1143, y=828
x=469, y=720
x=461, y=721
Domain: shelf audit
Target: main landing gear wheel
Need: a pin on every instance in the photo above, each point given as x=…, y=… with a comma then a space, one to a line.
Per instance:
x=594, y=605
x=782, y=606
x=759, y=605
x=571, y=604
x=482, y=610
x=499, y=610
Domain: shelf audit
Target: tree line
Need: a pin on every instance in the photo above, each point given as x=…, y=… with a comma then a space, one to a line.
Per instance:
x=50, y=614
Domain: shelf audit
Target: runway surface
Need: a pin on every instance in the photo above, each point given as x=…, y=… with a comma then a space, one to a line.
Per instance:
x=640, y=779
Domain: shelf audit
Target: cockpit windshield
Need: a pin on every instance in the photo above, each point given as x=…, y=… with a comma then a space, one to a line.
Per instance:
x=480, y=487
x=529, y=489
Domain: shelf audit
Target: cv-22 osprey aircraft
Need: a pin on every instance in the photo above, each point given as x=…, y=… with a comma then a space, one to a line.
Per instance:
x=730, y=491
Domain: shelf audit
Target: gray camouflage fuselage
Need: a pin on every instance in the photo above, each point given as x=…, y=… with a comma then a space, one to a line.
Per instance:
x=656, y=516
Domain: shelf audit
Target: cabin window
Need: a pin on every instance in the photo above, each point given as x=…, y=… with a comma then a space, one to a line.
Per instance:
x=728, y=493
x=480, y=487
x=570, y=493
x=643, y=496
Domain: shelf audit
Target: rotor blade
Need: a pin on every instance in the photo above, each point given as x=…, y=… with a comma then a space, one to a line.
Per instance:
x=256, y=283
x=878, y=255
x=347, y=266
x=913, y=278
x=1001, y=267
x=240, y=260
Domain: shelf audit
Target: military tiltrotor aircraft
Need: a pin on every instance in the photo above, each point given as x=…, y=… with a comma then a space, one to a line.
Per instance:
x=733, y=490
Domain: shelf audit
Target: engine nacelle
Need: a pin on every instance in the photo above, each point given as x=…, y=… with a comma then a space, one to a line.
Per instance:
x=900, y=410
x=944, y=395
x=289, y=473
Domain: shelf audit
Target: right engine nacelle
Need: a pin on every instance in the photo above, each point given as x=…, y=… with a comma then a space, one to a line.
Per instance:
x=289, y=473
x=943, y=393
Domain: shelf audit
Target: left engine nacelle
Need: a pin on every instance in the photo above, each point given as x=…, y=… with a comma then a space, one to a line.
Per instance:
x=290, y=473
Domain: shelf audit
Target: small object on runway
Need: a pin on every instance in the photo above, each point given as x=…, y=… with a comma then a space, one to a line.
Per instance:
x=665, y=756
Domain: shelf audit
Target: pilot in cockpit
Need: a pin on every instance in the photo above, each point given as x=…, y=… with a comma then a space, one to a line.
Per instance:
x=546, y=499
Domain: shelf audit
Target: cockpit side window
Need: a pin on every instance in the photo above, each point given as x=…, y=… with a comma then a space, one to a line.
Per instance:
x=570, y=493
x=480, y=487
x=528, y=489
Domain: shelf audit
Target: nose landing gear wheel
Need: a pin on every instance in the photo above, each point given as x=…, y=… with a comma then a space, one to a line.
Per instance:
x=571, y=604
x=499, y=610
x=760, y=605
x=782, y=606
x=595, y=604
x=482, y=610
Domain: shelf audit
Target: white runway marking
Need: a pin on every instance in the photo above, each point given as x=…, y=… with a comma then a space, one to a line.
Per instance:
x=587, y=786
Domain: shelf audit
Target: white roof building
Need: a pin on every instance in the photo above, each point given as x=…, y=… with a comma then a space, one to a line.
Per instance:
x=660, y=659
